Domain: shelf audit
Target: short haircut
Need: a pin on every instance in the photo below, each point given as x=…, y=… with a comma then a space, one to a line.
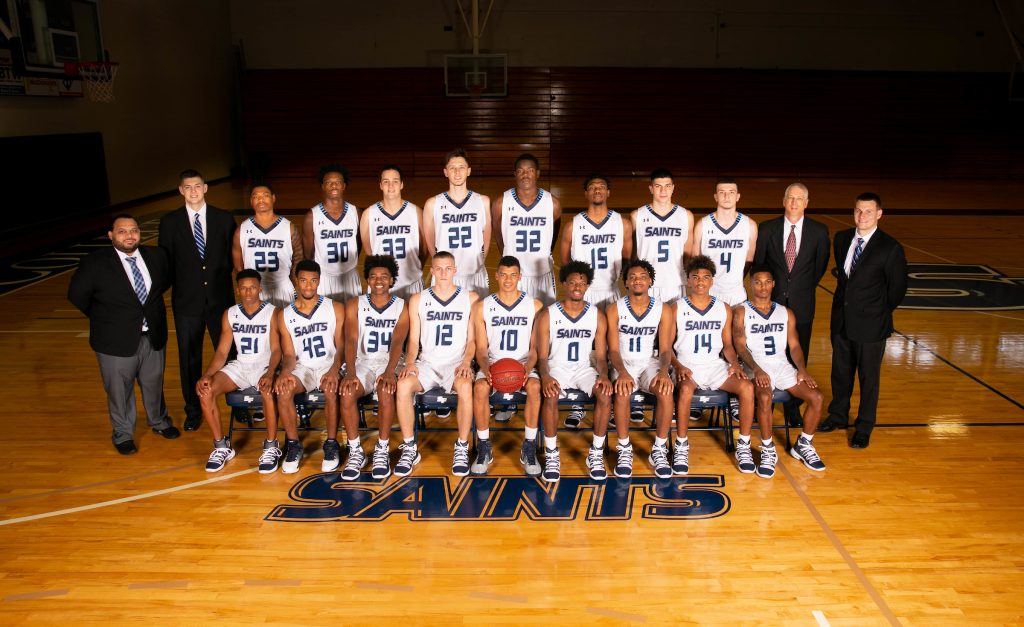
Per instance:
x=333, y=167
x=190, y=174
x=761, y=267
x=455, y=154
x=660, y=173
x=701, y=262
x=508, y=261
x=380, y=261
x=390, y=166
x=248, y=273
x=726, y=180
x=122, y=216
x=596, y=177
x=797, y=185
x=576, y=267
x=526, y=157
x=444, y=254
x=869, y=196
x=637, y=263
x=256, y=184
x=307, y=265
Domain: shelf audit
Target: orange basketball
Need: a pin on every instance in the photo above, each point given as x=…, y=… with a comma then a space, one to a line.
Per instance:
x=508, y=375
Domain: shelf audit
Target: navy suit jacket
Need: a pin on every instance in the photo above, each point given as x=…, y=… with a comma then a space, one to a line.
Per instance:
x=795, y=289
x=863, y=303
x=200, y=285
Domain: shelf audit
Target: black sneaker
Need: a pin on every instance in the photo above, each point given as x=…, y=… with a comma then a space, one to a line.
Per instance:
x=270, y=458
x=595, y=464
x=332, y=456
x=219, y=457
x=552, y=465
x=574, y=417
x=636, y=415
x=681, y=459
x=659, y=460
x=528, y=458
x=292, y=455
x=484, y=457
x=356, y=462
x=408, y=456
x=624, y=466
x=744, y=458
x=381, y=460
x=460, y=459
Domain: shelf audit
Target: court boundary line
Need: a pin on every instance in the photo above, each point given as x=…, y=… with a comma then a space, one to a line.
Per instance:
x=145, y=475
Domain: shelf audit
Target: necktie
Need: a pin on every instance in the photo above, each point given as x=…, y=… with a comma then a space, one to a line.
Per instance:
x=140, y=285
x=791, y=247
x=856, y=254
x=197, y=230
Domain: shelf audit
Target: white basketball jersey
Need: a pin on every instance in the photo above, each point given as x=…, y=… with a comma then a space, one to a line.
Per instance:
x=509, y=327
x=376, y=326
x=572, y=339
x=444, y=326
x=600, y=245
x=459, y=229
x=527, y=231
x=728, y=248
x=767, y=335
x=252, y=334
x=399, y=236
x=699, y=332
x=334, y=241
x=661, y=240
x=638, y=334
x=268, y=251
x=313, y=335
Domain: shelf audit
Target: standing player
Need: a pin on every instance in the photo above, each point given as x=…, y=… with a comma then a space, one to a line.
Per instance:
x=601, y=238
x=458, y=221
x=761, y=329
x=571, y=354
x=269, y=244
x=392, y=227
x=376, y=325
x=729, y=238
x=252, y=327
x=662, y=229
x=639, y=325
x=439, y=354
x=311, y=347
x=329, y=236
x=503, y=327
x=703, y=336
x=529, y=218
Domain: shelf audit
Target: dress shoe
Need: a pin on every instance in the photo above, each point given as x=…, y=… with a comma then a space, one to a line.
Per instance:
x=860, y=440
x=126, y=448
x=192, y=423
x=831, y=424
x=168, y=433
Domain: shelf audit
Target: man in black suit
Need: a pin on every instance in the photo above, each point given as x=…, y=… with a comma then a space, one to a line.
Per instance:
x=795, y=247
x=871, y=284
x=197, y=238
x=120, y=290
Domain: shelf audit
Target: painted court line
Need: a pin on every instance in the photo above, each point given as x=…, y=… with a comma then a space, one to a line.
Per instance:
x=42, y=594
x=127, y=499
x=850, y=562
x=820, y=617
x=96, y=484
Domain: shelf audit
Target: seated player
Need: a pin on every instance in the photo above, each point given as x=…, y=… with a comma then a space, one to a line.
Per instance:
x=311, y=348
x=252, y=326
x=636, y=323
x=571, y=354
x=376, y=325
x=761, y=331
x=439, y=354
x=503, y=327
x=703, y=336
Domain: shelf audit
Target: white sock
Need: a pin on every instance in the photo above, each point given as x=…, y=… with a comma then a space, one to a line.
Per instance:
x=460, y=441
x=807, y=436
x=386, y=443
x=531, y=433
x=550, y=443
x=765, y=442
x=599, y=441
x=745, y=439
x=483, y=434
x=660, y=441
x=411, y=441
x=353, y=444
x=623, y=442
x=682, y=441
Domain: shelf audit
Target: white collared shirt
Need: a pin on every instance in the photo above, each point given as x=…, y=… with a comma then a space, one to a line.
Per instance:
x=141, y=263
x=202, y=220
x=789, y=227
x=853, y=246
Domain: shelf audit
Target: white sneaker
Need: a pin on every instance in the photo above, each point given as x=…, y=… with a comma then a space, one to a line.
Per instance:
x=292, y=455
x=218, y=458
x=381, y=460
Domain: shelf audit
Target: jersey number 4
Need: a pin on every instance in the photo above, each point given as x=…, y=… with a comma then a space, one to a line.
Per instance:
x=314, y=347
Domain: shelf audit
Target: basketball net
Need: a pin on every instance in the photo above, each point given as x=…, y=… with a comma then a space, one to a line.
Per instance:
x=98, y=79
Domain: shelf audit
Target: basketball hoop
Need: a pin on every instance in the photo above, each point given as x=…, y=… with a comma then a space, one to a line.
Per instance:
x=98, y=79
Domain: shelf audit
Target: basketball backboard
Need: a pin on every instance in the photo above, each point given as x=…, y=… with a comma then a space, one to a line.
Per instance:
x=476, y=75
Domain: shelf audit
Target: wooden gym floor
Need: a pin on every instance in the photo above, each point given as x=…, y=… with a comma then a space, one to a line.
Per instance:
x=921, y=528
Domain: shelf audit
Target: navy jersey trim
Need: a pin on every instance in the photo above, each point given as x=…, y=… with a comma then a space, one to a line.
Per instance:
x=598, y=225
x=272, y=226
x=659, y=216
x=758, y=311
x=522, y=295
x=313, y=311
x=445, y=303
x=458, y=205
x=739, y=218
x=515, y=197
x=586, y=308
x=629, y=308
x=254, y=314
x=703, y=312
x=380, y=206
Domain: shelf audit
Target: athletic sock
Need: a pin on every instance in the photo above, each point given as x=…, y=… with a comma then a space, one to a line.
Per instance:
x=531, y=433
x=660, y=441
x=550, y=443
x=623, y=441
x=599, y=441
x=767, y=442
x=483, y=434
x=745, y=439
x=353, y=444
x=682, y=441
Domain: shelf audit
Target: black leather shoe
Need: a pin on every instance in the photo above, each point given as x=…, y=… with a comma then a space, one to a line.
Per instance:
x=168, y=433
x=860, y=440
x=831, y=424
x=192, y=423
x=126, y=448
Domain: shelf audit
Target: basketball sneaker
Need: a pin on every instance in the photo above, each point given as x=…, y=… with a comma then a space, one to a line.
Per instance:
x=219, y=457
x=505, y=415
x=681, y=459
x=659, y=459
x=696, y=414
x=292, y=455
x=766, y=467
x=552, y=465
x=332, y=456
x=595, y=464
x=528, y=458
x=460, y=460
x=408, y=456
x=258, y=416
x=574, y=417
x=484, y=457
x=355, y=464
x=805, y=452
x=744, y=458
x=381, y=460
x=443, y=413
x=636, y=415
x=270, y=458
x=624, y=466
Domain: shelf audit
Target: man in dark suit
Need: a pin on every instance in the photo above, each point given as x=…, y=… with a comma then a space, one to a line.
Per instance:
x=796, y=248
x=120, y=290
x=197, y=238
x=872, y=282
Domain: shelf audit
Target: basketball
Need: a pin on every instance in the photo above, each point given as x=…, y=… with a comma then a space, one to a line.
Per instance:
x=508, y=375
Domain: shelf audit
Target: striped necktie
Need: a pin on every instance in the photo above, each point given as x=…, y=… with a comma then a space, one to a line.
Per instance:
x=791, y=248
x=197, y=231
x=140, y=286
x=856, y=254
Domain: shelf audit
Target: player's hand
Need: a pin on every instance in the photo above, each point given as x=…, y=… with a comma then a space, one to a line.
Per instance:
x=266, y=382
x=550, y=386
x=409, y=371
x=285, y=384
x=761, y=379
x=735, y=370
x=683, y=373
x=349, y=385
x=487, y=375
x=662, y=383
x=603, y=386
x=329, y=383
x=624, y=384
x=388, y=382
x=803, y=377
x=204, y=386
x=465, y=371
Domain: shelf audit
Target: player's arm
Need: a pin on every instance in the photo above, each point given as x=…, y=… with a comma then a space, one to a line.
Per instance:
x=682, y=372
x=627, y=239
x=297, y=251
x=696, y=239
x=565, y=243
x=479, y=327
x=603, y=385
x=308, y=245
x=495, y=218
x=624, y=383
x=556, y=218
x=329, y=382
x=633, y=217
x=388, y=378
x=427, y=232
x=796, y=353
x=358, y=241
x=542, y=342
x=531, y=358
x=412, y=349
x=465, y=368
x=751, y=246
x=688, y=247
x=266, y=381
x=364, y=230
x=236, y=249
x=663, y=380
x=422, y=236
x=728, y=350
x=351, y=344
x=488, y=226
x=739, y=343
x=287, y=380
x=220, y=357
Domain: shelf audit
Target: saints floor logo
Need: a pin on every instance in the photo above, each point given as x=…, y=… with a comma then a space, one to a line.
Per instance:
x=325, y=497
